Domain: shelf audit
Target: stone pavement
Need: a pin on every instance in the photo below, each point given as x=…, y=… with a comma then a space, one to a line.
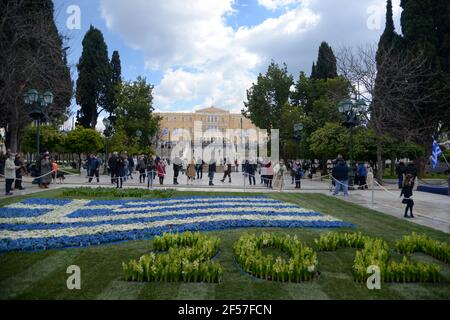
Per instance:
x=430, y=210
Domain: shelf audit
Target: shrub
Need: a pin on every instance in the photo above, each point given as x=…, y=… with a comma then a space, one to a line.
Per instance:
x=375, y=252
x=187, y=258
x=421, y=243
x=117, y=193
x=300, y=267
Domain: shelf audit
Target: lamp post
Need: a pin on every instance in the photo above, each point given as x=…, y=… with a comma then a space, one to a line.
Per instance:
x=352, y=110
x=298, y=128
x=38, y=102
x=108, y=132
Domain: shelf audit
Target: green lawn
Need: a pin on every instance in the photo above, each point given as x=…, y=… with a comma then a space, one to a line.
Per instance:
x=42, y=275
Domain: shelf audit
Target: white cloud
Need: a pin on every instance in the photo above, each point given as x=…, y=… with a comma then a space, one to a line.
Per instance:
x=204, y=61
x=276, y=4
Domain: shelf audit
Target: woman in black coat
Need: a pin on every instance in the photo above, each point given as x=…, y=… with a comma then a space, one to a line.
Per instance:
x=407, y=193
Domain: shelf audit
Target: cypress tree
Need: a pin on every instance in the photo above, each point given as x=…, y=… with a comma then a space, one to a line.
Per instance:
x=116, y=80
x=94, y=84
x=313, y=71
x=326, y=66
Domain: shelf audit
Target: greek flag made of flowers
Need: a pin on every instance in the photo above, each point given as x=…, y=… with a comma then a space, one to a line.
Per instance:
x=39, y=224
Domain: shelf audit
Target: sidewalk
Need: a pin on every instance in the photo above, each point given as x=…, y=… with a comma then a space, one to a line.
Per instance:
x=430, y=210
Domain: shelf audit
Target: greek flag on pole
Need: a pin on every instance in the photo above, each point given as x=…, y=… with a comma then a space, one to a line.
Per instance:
x=436, y=153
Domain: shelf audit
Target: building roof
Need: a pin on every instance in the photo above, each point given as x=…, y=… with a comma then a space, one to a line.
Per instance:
x=212, y=110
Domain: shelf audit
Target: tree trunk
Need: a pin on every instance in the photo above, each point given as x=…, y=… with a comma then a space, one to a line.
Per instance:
x=14, y=138
x=393, y=166
x=380, y=162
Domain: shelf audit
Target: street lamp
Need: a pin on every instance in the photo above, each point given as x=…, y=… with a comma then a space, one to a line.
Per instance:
x=38, y=103
x=298, y=128
x=352, y=110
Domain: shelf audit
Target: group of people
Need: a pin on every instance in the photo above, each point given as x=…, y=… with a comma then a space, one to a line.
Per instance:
x=45, y=169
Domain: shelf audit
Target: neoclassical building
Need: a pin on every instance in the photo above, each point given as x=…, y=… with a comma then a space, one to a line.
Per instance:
x=215, y=122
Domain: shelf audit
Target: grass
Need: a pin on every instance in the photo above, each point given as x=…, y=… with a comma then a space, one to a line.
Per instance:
x=42, y=275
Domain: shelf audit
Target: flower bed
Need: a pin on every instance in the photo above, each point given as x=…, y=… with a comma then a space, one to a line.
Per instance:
x=188, y=259
x=300, y=267
x=421, y=243
x=40, y=224
x=117, y=193
x=375, y=252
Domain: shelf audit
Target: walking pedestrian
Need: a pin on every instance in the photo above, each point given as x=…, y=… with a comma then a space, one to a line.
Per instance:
x=226, y=170
x=93, y=168
x=130, y=167
x=269, y=175
x=112, y=164
x=340, y=176
x=407, y=193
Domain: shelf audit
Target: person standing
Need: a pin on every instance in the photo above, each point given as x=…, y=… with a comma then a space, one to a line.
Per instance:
x=190, y=172
x=401, y=172
x=112, y=164
x=250, y=170
x=94, y=168
x=46, y=170
x=20, y=172
x=141, y=167
x=279, y=172
x=161, y=169
x=151, y=169
x=211, y=171
x=10, y=173
x=120, y=171
x=269, y=175
x=340, y=175
x=298, y=174
x=407, y=193
x=177, y=165
x=130, y=166
x=361, y=173
x=199, y=168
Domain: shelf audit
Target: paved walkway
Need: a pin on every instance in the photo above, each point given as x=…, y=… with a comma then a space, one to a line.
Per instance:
x=430, y=210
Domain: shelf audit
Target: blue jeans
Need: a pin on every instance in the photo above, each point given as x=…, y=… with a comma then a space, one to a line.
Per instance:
x=341, y=184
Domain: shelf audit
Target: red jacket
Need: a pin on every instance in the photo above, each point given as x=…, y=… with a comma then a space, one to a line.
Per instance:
x=161, y=169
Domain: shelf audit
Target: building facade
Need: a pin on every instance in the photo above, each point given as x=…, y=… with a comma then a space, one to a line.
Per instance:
x=215, y=122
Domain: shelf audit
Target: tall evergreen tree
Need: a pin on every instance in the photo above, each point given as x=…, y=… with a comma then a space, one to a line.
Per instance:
x=94, y=84
x=116, y=80
x=326, y=66
x=32, y=56
x=313, y=71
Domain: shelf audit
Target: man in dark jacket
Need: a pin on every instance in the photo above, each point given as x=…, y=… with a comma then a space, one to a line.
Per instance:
x=177, y=165
x=93, y=168
x=112, y=164
x=340, y=175
x=250, y=170
x=211, y=171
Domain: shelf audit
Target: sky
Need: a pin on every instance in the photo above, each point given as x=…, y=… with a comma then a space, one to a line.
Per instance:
x=201, y=53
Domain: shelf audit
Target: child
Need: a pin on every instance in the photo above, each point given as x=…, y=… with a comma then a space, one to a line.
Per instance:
x=407, y=193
